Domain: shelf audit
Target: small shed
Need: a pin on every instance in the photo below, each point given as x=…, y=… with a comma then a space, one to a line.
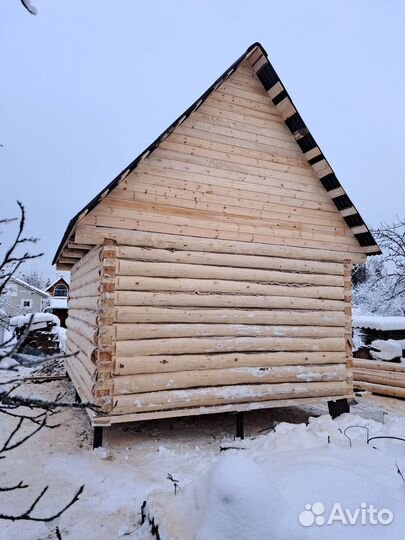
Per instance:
x=214, y=273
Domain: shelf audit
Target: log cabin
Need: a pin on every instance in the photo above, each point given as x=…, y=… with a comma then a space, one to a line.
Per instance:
x=214, y=273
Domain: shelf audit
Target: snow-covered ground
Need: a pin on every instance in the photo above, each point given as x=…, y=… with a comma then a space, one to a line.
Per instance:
x=296, y=462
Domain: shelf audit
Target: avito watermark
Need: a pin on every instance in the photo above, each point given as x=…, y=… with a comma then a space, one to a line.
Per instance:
x=366, y=514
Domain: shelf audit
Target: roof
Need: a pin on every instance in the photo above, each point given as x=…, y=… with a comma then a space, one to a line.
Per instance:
x=60, y=278
x=28, y=286
x=282, y=100
x=58, y=302
x=379, y=322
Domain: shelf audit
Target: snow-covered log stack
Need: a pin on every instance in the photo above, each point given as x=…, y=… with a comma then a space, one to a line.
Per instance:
x=385, y=373
x=41, y=336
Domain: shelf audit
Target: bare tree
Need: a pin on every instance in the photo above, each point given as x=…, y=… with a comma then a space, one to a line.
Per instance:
x=29, y=7
x=391, y=239
x=30, y=415
x=13, y=257
x=34, y=277
x=379, y=285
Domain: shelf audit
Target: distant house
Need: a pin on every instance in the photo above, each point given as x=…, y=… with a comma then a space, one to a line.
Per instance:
x=21, y=298
x=58, y=294
x=4, y=325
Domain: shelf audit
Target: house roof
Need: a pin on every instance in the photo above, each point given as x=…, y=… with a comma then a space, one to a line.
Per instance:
x=57, y=281
x=293, y=120
x=28, y=286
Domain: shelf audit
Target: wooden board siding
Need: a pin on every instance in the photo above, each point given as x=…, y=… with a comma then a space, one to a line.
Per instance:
x=232, y=171
x=196, y=344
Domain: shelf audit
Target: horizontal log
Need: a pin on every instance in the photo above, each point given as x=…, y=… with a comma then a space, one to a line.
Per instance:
x=88, y=262
x=91, y=289
x=81, y=381
x=375, y=364
x=190, y=264
x=85, y=302
x=93, y=235
x=82, y=344
x=181, y=284
x=219, y=395
x=82, y=328
x=127, y=267
x=379, y=377
x=147, y=314
x=128, y=365
x=77, y=283
x=81, y=357
x=383, y=389
x=226, y=344
x=86, y=315
x=132, y=384
x=127, y=298
x=215, y=409
x=209, y=271
x=146, y=331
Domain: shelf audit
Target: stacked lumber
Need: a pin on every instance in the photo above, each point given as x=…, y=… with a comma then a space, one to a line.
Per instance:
x=386, y=378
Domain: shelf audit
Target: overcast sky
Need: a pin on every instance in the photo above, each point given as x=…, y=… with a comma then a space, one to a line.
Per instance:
x=86, y=85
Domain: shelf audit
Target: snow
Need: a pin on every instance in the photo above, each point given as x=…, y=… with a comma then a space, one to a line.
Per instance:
x=260, y=490
x=136, y=458
x=379, y=322
x=7, y=363
x=21, y=320
x=58, y=302
x=386, y=349
x=358, y=342
x=61, y=337
x=28, y=286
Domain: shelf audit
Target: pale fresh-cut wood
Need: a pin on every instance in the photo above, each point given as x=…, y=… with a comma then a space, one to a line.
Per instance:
x=216, y=275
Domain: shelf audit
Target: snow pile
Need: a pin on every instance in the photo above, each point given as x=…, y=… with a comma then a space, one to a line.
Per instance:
x=358, y=342
x=58, y=303
x=61, y=333
x=22, y=320
x=386, y=349
x=378, y=322
x=263, y=490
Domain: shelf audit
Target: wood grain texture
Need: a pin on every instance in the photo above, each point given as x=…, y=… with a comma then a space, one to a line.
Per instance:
x=233, y=165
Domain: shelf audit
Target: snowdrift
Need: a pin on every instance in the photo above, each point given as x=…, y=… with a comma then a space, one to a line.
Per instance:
x=261, y=491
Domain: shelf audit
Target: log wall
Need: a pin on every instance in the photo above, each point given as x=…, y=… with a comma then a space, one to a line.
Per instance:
x=224, y=282
x=166, y=332
x=197, y=331
x=82, y=322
